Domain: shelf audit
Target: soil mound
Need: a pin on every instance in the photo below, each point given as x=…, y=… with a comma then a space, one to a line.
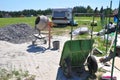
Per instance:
x=17, y=33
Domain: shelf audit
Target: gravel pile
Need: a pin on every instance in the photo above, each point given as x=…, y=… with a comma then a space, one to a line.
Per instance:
x=17, y=33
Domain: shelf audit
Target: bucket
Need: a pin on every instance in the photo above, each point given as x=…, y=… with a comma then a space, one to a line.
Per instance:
x=56, y=45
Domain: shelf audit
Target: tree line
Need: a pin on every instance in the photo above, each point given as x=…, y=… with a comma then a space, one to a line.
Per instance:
x=32, y=12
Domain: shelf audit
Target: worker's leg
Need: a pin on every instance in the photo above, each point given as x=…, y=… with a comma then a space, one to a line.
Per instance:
x=108, y=58
x=118, y=51
x=111, y=55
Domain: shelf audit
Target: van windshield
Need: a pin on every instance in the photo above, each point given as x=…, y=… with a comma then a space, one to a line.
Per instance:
x=59, y=14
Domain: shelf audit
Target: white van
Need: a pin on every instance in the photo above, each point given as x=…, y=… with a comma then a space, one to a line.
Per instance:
x=62, y=16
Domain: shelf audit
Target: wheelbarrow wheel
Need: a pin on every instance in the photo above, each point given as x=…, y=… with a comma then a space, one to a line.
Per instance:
x=67, y=67
x=92, y=64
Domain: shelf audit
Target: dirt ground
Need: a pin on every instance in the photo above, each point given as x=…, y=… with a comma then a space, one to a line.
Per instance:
x=37, y=60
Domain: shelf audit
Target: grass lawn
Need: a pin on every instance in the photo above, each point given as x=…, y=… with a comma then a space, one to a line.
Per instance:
x=7, y=21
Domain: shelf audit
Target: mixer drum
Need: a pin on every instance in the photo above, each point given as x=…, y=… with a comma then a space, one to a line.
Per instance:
x=41, y=22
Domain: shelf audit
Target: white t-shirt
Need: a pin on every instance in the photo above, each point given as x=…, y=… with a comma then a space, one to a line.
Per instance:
x=118, y=41
x=111, y=26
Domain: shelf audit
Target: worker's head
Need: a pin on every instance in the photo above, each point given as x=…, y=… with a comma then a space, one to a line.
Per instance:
x=111, y=22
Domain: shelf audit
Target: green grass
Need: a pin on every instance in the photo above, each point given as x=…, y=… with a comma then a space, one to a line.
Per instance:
x=15, y=75
x=8, y=21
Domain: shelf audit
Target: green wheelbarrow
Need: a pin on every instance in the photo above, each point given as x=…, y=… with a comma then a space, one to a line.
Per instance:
x=75, y=53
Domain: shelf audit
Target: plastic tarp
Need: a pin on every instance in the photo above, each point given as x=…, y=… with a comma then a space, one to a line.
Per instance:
x=81, y=30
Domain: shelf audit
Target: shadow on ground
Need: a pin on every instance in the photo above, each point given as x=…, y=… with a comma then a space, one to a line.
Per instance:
x=81, y=76
x=34, y=49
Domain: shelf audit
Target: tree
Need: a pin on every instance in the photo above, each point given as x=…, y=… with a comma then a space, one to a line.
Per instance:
x=76, y=9
x=89, y=9
x=1, y=15
x=107, y=11
x=79, y=9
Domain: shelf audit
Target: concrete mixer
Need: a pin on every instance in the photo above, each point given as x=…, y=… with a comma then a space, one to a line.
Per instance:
x=41, y=23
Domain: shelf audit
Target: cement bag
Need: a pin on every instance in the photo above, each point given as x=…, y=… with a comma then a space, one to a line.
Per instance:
x=41, y=22
x=81, y=30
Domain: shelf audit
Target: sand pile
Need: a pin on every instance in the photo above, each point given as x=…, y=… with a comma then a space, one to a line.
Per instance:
x=17, y=33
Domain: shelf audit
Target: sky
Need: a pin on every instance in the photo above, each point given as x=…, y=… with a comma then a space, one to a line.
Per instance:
x=18, y=5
